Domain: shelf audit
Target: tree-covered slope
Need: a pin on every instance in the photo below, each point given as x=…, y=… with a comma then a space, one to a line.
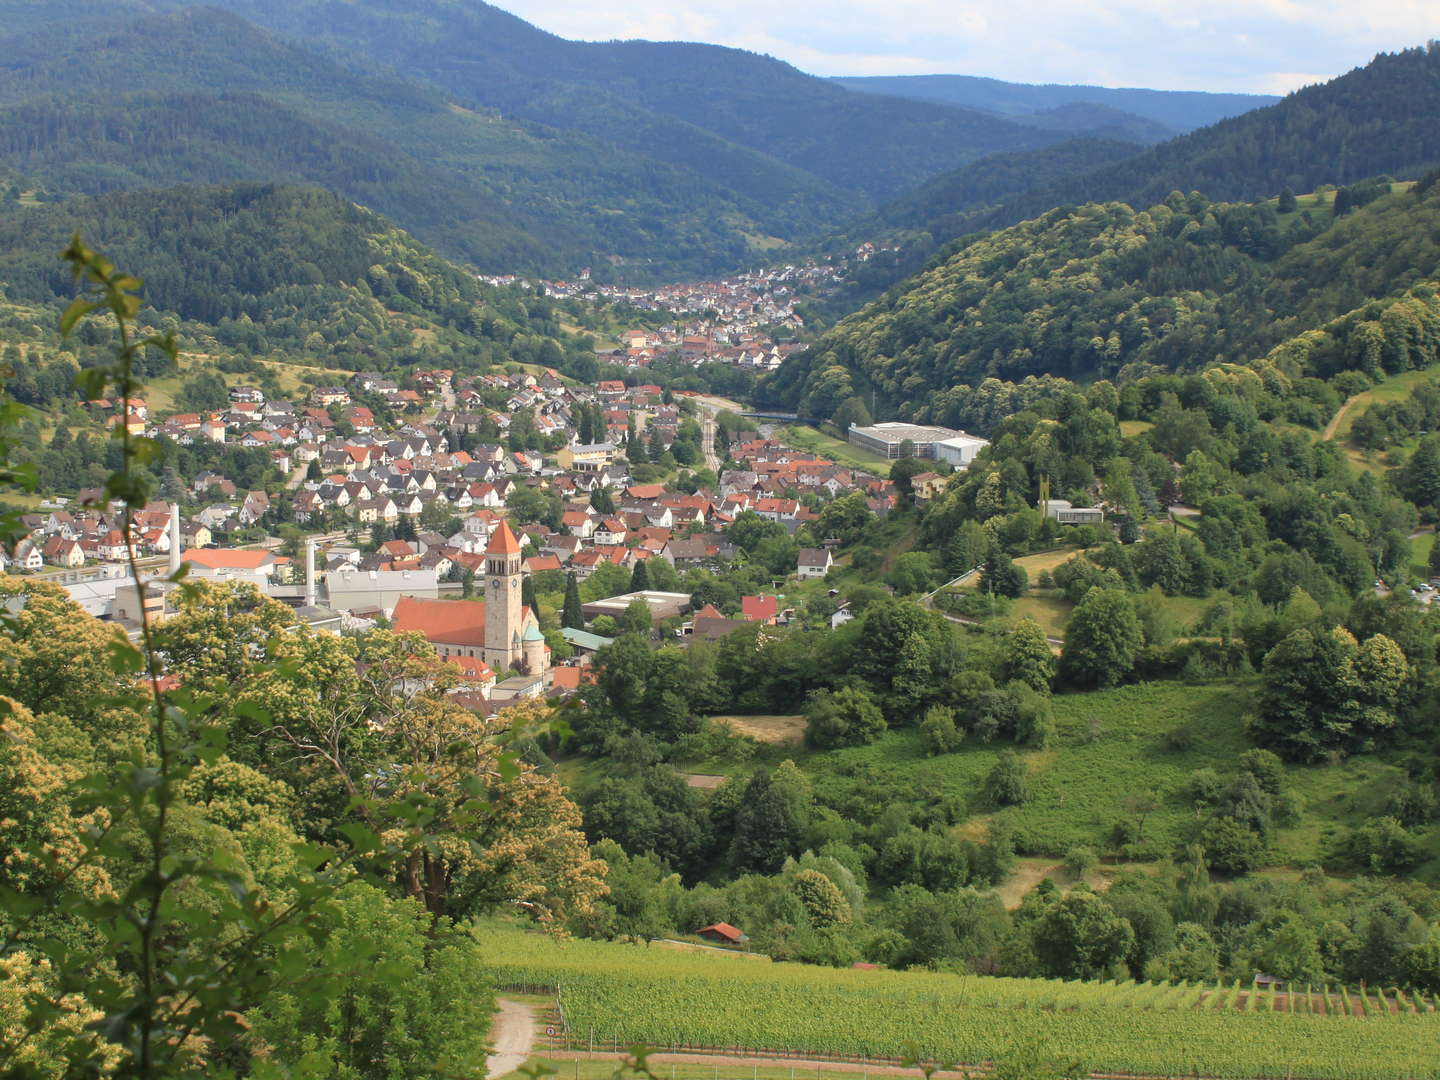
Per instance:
x=987, y=182
x=1085, y=292
x=875, y=145
x=273, y=269
x=461, y=175
x=1375, y=119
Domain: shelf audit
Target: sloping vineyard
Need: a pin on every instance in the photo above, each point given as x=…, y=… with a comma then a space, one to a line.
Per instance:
x=625, y=994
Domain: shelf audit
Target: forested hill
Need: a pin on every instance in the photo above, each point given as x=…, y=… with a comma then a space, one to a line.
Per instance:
x=859, y=142
x=1376, y=119
x=271, y=269
x=490, y=139
x=499, y=191
x=932, y=207
x=1088, y=292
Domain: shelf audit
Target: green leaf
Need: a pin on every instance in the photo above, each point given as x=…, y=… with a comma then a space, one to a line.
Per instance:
x=78, y=309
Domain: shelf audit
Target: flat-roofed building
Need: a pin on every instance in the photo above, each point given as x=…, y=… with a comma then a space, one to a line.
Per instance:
x=889, y=438
x=663, y=605
x=1065, y=514
x=961, y=450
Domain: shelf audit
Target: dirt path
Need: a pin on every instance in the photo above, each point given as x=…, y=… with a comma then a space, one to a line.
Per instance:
x=511, y=1038
x=1335, y=420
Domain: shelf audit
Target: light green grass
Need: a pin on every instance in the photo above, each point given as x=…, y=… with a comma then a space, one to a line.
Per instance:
x=1047, y=560
x=1387, y=392
x=1420, y=549
x=1110, y=745
x=1049, y=609
x=837, y=450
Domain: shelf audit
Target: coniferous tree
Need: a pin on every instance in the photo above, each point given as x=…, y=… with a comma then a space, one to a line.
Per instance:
x=571, y=615
x=639, y=577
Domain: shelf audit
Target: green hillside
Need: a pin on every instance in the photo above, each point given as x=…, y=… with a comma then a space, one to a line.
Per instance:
x=490, y=139
x=1367, y=122
x=505, y=193
x=857, y=142
x=266, y=269
x=1088, y=292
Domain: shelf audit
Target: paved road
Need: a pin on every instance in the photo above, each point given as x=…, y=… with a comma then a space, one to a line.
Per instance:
x=511, y=1038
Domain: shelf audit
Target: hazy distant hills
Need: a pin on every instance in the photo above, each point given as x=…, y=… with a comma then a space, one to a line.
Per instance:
x=1170, y=112
x=495, y=141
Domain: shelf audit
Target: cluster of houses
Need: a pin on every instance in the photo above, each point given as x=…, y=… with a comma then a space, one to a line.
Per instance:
x=732, y=320
x=348, y=468
x=72, y=538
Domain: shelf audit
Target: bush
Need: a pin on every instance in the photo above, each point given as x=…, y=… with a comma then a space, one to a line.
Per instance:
x=1079, y=861
x=938, y=733
x=1266, y=768
x=1380, y=846
x=1009, y=781
x=972, y=605
x=845, y=717
x=1231, y=846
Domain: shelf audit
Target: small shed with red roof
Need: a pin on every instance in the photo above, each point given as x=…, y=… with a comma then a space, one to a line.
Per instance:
x=722, y=933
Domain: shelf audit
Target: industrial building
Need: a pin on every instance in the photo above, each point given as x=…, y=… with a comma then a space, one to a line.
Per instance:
x=889, y=438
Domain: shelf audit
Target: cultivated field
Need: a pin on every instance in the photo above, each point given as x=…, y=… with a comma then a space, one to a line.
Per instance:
x=615, y=996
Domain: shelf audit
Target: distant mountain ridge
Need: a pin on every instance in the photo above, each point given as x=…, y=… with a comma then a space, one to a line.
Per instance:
x=637, y=158
x=1373, y=120
x=1176, y=111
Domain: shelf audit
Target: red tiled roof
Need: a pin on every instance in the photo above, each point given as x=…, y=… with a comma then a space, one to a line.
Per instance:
x=724, y=929
x=227, y=558
x=503, y=542
x=472, y=667
x=444, y=622
x=758, y=608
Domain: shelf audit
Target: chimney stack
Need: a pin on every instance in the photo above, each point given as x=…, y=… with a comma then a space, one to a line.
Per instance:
x=175, y=541
x=309, y=573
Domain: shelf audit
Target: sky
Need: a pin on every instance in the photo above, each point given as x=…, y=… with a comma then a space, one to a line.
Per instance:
x=1256, y=46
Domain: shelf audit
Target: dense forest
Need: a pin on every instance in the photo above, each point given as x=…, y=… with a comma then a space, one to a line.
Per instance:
x=1364, y=123
x=296, y=273
x=1102, y=289
x=506, y=194
x=639, y=159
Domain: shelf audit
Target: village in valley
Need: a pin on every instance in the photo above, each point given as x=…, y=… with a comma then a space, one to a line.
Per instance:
x=468, y=508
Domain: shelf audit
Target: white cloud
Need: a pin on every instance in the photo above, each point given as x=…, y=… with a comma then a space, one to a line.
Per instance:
x=1269, y=46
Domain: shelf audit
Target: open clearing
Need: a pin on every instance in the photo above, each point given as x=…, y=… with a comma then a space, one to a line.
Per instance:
x=1046, y=560
x=837, y=450
x=704, y=781
x=772, y=730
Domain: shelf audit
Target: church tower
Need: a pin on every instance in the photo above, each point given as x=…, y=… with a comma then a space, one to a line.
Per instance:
x=502, y=600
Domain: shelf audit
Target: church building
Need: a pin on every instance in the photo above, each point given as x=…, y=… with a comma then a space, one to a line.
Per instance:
x=499, y=630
